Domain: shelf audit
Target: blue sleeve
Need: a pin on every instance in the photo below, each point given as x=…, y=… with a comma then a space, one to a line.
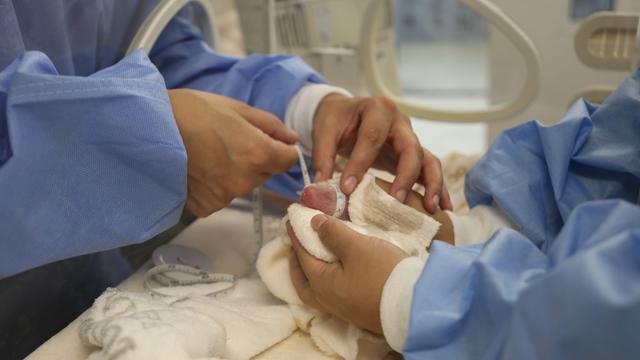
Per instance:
x=267, y=82
x=87, y=163
x=510, y=300
x=538, y=174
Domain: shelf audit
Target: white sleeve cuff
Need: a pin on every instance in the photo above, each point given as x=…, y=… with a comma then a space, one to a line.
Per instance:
x=395, y=304
x=478, y=225
x=302, y=108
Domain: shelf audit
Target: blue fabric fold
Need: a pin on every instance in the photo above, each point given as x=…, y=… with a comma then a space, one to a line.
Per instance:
x=97, y=162
x=566, y=284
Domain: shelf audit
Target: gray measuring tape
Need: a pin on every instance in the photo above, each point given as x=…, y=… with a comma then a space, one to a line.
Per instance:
x=183, y=266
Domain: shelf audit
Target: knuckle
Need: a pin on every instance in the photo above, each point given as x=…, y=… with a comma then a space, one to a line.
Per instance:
x=417, y=148
x=325, y=230
x=385, y=103
x=270, y=117
x=259, y=157
x=406, y=120
x=375, y=137
x=432, y=159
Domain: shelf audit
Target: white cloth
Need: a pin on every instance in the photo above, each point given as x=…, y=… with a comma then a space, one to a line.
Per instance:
x=238, y=325
x=302, y=108
x=478, y=225
x=369, y=208
x=395, y=303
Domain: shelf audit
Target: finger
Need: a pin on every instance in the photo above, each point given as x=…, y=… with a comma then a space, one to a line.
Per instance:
x=410, y=157
x=445, y=199
x=301, y=283
x=325, y=148
x=268, y=123
x=311, y=267
x=433, y=181
x=341, y=240
x=372, y=135
x=276, y=157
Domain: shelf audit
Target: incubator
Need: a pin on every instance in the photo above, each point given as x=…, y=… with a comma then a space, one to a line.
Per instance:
x=536, y=68
x=608, y=41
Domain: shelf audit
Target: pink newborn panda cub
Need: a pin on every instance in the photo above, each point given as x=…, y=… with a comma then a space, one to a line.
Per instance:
x=327, y=197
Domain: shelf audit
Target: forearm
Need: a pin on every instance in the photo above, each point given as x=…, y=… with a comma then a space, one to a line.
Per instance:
x=97, y=162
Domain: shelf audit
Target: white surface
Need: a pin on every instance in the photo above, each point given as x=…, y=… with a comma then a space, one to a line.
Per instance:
x=478, y=225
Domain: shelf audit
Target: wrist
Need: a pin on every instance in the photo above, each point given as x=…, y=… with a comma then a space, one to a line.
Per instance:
x=445, y=231
x=395, y=303
x=303, y=108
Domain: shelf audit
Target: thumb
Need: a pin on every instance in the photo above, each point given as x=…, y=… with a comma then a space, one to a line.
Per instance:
x=340, y=239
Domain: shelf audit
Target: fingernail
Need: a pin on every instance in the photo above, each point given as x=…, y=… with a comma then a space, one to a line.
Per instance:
x=401, y=195
x=317, y=221
x=350, y=184
x=318, y=175
x=436, y=201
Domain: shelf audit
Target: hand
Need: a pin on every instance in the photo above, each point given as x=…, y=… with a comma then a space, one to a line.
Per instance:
x=371, y=131
x=231, y=147
x=350, y=288
x=445, y=232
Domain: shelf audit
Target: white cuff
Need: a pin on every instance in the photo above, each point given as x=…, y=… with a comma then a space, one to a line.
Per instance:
x=302, y=108
x=395, y=304
x=478, y=225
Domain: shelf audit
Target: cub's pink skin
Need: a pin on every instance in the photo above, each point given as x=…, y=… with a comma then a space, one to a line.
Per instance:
x=323, y=196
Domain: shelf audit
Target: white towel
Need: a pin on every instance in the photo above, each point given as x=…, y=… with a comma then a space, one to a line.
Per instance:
x=237, y=325
x=372, y=212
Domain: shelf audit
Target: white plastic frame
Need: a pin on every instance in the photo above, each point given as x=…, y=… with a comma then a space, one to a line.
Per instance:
x=166, y=10
x=503, y=23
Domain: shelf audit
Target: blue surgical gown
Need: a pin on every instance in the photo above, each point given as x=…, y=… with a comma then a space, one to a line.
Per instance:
x=90, y=156
x=566, y=284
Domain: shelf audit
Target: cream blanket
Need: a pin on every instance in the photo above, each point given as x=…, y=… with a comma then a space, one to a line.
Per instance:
x=372, y=212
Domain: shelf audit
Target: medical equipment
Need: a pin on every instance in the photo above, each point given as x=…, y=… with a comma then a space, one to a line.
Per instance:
x=181, y=255
x=177, y=265
x=146, y=37
x=158, y=19
x=564, y=76
x=325, y=33
x=363, y=61
x=503, y=23
x=607, y=41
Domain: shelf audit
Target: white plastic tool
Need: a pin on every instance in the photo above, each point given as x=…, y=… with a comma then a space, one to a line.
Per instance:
x=609, y=41
x=162, y=14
